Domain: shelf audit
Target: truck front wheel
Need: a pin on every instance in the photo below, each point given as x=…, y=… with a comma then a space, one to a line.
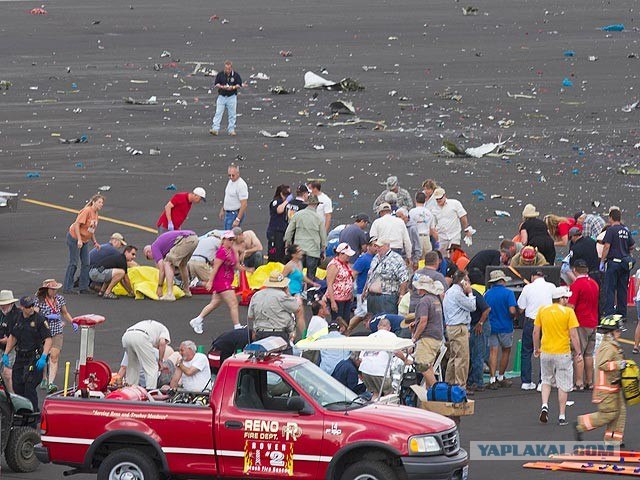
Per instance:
x=19, y=453
x=128, y=464
x=369, y=471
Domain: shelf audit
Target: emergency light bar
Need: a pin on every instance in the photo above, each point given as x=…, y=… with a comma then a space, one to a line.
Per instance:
x=266, y=346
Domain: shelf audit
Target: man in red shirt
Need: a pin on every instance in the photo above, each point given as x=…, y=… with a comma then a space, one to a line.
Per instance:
x=177, y=209
x=585, y=303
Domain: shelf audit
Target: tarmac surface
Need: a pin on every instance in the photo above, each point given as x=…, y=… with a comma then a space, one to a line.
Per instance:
x=71, y=68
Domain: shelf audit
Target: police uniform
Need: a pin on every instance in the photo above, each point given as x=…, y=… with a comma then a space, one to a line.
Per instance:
x=30, y=334
x=607, y=393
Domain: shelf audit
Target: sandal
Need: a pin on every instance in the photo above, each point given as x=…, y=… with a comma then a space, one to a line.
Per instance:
x=588, y=386
x=110, y=296
x=635, y=350
x=578, y=388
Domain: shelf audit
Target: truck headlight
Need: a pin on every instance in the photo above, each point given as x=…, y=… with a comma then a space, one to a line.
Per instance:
x=424, y=444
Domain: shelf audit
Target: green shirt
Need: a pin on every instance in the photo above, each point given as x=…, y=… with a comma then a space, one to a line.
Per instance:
x=306, y=229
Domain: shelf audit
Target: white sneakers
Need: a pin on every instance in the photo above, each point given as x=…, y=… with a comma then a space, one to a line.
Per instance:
x=539, y=388
x=528, y=386
x=197, y=324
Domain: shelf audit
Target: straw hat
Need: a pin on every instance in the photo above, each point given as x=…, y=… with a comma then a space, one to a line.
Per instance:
x=51, y=283
x=530, y=211
x=6, y=297
x=276, y=280
x=424, y=282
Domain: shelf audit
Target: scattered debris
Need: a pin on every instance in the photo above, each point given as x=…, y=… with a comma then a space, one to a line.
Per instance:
x=280, y=134
x=33, y=175
x=366, y=68
x=566, y=82
x=617, y=27
x=154, y=151
x=318, y=147
x=171, y=187
x=165, y=53
x=286, y=53
x=133, y=151
x=152, y=100
x=314, y=81
x=5, y=84
x=520, y=95
x=451, y=149
x=260, y=76
x=502, y=213
x=470, y=11
x=104, y=188
x=38, y=11
x=342, y=107
x=280, y=90
x=627, y=169
x=569, y=53
x=82, y=139
x=592, y=58
x=631, y=107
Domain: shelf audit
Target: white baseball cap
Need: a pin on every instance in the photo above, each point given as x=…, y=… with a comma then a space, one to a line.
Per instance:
x=561, y=292
x=201, y=193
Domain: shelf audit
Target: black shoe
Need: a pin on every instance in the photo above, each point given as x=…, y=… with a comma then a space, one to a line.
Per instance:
x=544, y=414
x=563, y=422
x=577, y=434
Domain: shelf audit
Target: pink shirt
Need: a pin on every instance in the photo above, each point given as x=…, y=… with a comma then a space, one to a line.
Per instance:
x=343, y=283
x=224, y=277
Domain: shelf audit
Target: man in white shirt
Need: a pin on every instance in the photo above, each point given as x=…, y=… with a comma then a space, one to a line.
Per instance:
x=393, y=229
x=450, y=218
x=424, y=220
x=139, y=341
x=202, y=257
x=318, y=323
x=536, y=294
x=428, y=187
x=236, y=195
x=325, y=207
x=375, y=364
x=192, y=369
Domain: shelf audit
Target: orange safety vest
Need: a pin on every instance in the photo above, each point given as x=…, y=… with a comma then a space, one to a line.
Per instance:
x=607, y=375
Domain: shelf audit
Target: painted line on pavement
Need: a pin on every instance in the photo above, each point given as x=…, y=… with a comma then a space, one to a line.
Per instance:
x=105, y=219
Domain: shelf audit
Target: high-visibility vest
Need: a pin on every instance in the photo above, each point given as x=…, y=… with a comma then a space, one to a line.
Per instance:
x=607, y=374
x=630, y=382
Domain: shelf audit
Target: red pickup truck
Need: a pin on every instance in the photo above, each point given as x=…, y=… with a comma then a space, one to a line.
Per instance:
x=273, y=417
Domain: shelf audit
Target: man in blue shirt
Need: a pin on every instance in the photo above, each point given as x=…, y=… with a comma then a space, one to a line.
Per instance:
x=228, y=82
x=502, y=302
x=614, y=261
x=355, y=236
x=394, y=320
x=361, y=269
x=346, y=372
x=116, y=242
x=330, y=358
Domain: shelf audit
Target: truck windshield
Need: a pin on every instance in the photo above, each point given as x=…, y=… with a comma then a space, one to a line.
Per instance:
x=326, y=390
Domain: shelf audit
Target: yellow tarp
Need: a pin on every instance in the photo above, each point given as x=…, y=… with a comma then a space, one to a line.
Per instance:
x=261, y=274
x=144, y=281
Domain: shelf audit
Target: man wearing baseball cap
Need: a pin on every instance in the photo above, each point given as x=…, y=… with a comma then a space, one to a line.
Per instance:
x=356, y=236
x=554, y=332
x=176, y=210
x=450, y=220
x=31, y=338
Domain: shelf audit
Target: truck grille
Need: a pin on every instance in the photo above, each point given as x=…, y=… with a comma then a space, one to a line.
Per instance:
x=450, y=442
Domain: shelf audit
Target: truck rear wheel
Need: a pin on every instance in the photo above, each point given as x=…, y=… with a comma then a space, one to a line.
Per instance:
x=20, y=454
x=128, y=464
x=369, y=471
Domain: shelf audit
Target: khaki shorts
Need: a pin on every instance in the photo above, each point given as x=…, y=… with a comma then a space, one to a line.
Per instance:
x=557, y=370
x=182, y=250
x=427, y=350
x=587, y=338
x=373, y=384
x=425, y=243
x=199, y=269
x=56, y=341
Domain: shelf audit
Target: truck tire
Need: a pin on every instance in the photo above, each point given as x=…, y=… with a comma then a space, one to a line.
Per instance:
x=5, y=424
x=369, y=471
x=20, y=454
x=128, y=464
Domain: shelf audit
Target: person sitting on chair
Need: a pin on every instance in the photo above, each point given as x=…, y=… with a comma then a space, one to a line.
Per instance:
x=192, y=370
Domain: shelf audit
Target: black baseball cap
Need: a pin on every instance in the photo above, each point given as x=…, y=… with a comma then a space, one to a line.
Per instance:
x=580, y=263
x=539, y=273
x=362, y=217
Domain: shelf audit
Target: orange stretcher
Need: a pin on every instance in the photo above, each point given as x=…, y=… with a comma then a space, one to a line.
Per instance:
x=587, y=467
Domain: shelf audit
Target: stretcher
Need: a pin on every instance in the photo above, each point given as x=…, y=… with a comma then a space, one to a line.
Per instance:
x=587, y=467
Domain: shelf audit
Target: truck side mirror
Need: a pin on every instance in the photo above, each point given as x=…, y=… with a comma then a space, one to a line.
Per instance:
x=297, y=404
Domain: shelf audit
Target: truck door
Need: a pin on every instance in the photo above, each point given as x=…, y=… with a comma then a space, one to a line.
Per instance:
x=261, y=434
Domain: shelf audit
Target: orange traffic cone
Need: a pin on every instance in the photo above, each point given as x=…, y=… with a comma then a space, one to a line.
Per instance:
x=243, y=289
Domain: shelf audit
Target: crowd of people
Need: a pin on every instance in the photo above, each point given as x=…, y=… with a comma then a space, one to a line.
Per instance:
x=406, y=272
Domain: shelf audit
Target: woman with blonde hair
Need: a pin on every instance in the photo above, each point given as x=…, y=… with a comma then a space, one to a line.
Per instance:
x=81, y=234
x=533, y=231
x=558, y=228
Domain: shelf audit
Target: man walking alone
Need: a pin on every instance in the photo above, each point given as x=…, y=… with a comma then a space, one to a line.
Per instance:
x=228, y=82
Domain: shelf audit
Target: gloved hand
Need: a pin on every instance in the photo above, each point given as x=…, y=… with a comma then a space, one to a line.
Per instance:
x=601, y=267
x=170, y=226
x=75, y=327
x=53, y=316
x=290, y=197
x=5, y=360
x=42, y=361
x=622, y=364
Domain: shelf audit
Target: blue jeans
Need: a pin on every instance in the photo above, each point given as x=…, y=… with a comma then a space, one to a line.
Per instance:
x=229, y=217
x=230, y=104
x=377, y=304
x=527, y=351
x=77, y=256
x=616, y=283
x=477, y=349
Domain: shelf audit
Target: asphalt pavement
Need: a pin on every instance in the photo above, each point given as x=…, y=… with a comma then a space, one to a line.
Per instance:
x=497, y=75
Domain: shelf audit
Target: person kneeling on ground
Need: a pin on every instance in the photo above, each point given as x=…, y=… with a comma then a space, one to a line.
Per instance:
x=112, y=269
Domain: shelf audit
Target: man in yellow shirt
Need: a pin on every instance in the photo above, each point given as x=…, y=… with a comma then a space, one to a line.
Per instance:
x=557, y=325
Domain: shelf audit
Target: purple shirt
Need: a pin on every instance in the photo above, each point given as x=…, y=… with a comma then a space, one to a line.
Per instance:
x=165, y=242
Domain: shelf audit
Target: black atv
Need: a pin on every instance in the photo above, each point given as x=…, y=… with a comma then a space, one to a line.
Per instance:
x=18, y=431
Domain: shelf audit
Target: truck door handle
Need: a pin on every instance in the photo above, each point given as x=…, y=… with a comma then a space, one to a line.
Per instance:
x=233, y=424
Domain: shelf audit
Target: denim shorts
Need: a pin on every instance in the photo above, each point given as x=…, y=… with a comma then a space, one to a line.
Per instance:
x=503, y=340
